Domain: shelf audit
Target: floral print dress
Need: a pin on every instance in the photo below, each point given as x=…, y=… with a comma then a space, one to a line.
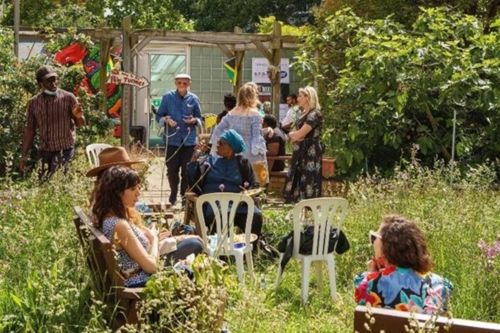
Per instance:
x=403, y=289
x=304, y=175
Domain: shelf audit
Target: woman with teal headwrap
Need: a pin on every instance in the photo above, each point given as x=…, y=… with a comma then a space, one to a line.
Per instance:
x=225, y=172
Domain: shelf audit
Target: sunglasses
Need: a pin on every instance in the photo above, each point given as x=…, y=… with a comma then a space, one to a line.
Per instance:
x=373, y=235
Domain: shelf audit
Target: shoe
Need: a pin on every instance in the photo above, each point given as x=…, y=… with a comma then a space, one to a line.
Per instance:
x=267, y=250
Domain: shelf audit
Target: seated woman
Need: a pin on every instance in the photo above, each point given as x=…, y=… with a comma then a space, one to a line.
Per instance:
x=399, y=276
x=225, y=172
x=116, y=193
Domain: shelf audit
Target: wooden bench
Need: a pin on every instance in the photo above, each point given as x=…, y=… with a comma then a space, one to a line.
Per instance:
x=107, y=281
x=392, y=321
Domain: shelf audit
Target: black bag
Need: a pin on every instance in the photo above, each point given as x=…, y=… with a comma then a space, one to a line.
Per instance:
x=337, y=241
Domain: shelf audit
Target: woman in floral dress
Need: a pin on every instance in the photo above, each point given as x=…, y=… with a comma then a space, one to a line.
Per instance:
x=304, y=175
x=399, y=276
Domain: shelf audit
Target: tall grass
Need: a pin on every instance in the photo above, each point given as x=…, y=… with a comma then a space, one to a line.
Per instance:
x=44, y=283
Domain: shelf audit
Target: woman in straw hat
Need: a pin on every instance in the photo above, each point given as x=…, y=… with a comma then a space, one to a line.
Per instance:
x=138, y=248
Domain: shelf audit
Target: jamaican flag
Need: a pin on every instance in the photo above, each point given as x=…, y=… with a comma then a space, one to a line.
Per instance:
x=230, y=66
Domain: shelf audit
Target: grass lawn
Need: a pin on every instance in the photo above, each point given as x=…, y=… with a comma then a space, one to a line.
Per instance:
x=44, y=280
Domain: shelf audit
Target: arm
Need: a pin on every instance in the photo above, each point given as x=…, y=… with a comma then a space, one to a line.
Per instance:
x=163, y=115
x=28, y=137
x=300, y=134
x=218, y=130
x=78, y=115
x=134, y=248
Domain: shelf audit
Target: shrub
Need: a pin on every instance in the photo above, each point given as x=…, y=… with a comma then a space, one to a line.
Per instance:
x=385, y=88
x=18, y=85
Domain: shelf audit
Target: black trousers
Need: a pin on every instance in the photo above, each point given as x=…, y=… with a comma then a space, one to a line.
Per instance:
x=53, y=160
x=177, y=159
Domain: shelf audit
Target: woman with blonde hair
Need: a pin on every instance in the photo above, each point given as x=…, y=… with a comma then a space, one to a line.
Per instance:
x=304, y=175
x=246, y=121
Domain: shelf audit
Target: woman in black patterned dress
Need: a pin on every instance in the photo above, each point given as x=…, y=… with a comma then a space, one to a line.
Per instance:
x=304, y=176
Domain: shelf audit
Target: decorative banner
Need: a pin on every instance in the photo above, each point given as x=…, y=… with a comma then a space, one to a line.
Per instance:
x=232, y=73
x=120, y=77
x=261, y=65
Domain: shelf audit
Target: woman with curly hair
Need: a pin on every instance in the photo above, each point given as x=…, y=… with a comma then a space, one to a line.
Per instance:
x=137, y=247
x=399, y=275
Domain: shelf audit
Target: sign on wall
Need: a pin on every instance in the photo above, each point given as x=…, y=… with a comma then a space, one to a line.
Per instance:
x=261, y=65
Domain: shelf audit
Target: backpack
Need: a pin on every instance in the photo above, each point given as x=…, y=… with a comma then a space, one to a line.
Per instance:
x=337, y=241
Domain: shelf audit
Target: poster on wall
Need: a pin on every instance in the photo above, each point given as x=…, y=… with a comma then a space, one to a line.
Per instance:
x=259, y=76
x=260, y=66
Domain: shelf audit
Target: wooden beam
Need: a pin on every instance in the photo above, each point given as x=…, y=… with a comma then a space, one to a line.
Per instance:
x=240, y=56
x=260, y=46
x=17, y=20
x=103, y=75
x=139, y=46
x=276, y=60
x=127, y=89
x=226, y=50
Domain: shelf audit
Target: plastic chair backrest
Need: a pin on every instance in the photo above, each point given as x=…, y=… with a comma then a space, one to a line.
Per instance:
x=326, y=213
x=93, y=151
x=224, y=206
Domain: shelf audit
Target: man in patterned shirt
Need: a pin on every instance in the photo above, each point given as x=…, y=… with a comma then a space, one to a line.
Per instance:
x=53, y=113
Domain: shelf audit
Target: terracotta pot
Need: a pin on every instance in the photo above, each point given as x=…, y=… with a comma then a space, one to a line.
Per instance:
x=328, y=167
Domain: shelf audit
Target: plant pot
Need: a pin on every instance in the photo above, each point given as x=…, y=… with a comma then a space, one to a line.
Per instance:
x=328, y=167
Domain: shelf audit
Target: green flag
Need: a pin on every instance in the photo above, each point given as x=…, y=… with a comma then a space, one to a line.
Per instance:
x=230, y=66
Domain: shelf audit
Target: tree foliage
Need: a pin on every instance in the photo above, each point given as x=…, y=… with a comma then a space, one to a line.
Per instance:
x=18, y=85
x=219, y=15
x=159, y=14
x=405, y=12
x=265, y=26
x=387, y=89
x=58, y=13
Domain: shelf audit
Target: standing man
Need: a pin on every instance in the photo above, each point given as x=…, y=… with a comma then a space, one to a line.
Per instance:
x=55, y=114
x=179, y=112
x=292, y=114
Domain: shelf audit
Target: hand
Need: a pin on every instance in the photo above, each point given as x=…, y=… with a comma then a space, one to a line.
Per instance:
x=77, y=111
x=190, y=120
x=372, y=265
x=170, y=122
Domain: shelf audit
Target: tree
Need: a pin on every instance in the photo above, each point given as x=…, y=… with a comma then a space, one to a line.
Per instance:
x=159, y=14
x=405, y=12
x=57, y=13
x=387, y=89
x=218, y=15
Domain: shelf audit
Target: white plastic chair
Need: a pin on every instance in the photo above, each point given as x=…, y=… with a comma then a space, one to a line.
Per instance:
x=224, y=206
x=326, y=213
x=93, y=151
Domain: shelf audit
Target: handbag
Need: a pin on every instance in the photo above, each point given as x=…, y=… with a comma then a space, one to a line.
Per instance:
x=336, y=241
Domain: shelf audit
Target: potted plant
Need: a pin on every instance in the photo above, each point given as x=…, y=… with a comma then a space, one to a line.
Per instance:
x=328, y=162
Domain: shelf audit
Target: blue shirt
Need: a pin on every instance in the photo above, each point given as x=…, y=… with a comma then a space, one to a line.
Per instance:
x=178, y=107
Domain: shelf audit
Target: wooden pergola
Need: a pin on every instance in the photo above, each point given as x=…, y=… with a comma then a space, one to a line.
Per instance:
x=233, y=44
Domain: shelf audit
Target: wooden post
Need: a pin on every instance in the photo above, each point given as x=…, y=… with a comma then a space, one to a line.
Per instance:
x=240, y=57
x=17, y=20
x=276, y=73
x=103, y=74
x=127, y=89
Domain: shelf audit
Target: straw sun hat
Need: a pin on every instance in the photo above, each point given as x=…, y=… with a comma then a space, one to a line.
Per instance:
x=112, y=156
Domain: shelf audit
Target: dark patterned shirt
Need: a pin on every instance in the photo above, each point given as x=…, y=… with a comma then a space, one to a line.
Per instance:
x=52, y=117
